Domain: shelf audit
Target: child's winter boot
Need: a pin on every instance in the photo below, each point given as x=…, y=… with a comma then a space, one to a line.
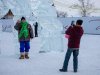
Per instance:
x=26, y=55
x=21, y=56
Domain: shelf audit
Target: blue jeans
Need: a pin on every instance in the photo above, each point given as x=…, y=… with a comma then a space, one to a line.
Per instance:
x=24, y=46
x=75, y=58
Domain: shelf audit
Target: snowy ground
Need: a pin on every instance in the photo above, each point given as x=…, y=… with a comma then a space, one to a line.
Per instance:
x=48, y=63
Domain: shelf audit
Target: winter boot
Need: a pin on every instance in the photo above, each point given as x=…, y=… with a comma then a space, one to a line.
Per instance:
x=62, y=70
x=21, y=56
x=26, y=55
x=75, y=70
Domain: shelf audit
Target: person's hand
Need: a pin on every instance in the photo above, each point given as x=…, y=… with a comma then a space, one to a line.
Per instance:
x=67, y=36
x=18, y=21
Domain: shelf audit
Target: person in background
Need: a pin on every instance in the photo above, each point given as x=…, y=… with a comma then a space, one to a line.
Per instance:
x=74, y=34
x=25, y=33
x=36, y=29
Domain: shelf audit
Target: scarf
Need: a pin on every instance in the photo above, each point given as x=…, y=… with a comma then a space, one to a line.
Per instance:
x=24, y=30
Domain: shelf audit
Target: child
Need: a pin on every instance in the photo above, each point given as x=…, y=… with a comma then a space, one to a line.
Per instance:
x=25, y=32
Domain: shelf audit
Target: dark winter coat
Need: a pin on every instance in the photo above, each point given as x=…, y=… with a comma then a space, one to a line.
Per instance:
x=75, y=33
x=30, y=30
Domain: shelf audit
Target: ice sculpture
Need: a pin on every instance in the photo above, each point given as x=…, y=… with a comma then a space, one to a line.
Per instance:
x=51, y=28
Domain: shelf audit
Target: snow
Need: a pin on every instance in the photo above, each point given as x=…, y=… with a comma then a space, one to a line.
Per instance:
x=63, y=5
x=44, y=63
x=17, y=7
x=48, y=63
x=47, y=19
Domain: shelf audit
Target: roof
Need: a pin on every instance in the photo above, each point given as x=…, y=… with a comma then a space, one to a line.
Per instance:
x=8, y=15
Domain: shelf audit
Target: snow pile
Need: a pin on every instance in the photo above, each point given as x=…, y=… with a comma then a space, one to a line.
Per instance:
x=48, y=63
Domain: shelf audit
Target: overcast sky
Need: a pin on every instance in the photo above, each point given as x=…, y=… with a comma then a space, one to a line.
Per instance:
x=63, y=5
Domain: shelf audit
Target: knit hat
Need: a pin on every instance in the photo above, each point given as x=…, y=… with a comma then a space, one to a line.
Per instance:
x=23, y=18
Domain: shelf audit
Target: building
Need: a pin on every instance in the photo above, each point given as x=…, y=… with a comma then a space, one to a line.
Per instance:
x=9, y=15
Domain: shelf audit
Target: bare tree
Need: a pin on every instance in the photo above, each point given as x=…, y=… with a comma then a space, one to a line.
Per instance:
x=85, y=7
x=61, y=14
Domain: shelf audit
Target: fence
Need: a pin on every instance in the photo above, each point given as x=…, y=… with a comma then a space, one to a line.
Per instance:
x=91, y=25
